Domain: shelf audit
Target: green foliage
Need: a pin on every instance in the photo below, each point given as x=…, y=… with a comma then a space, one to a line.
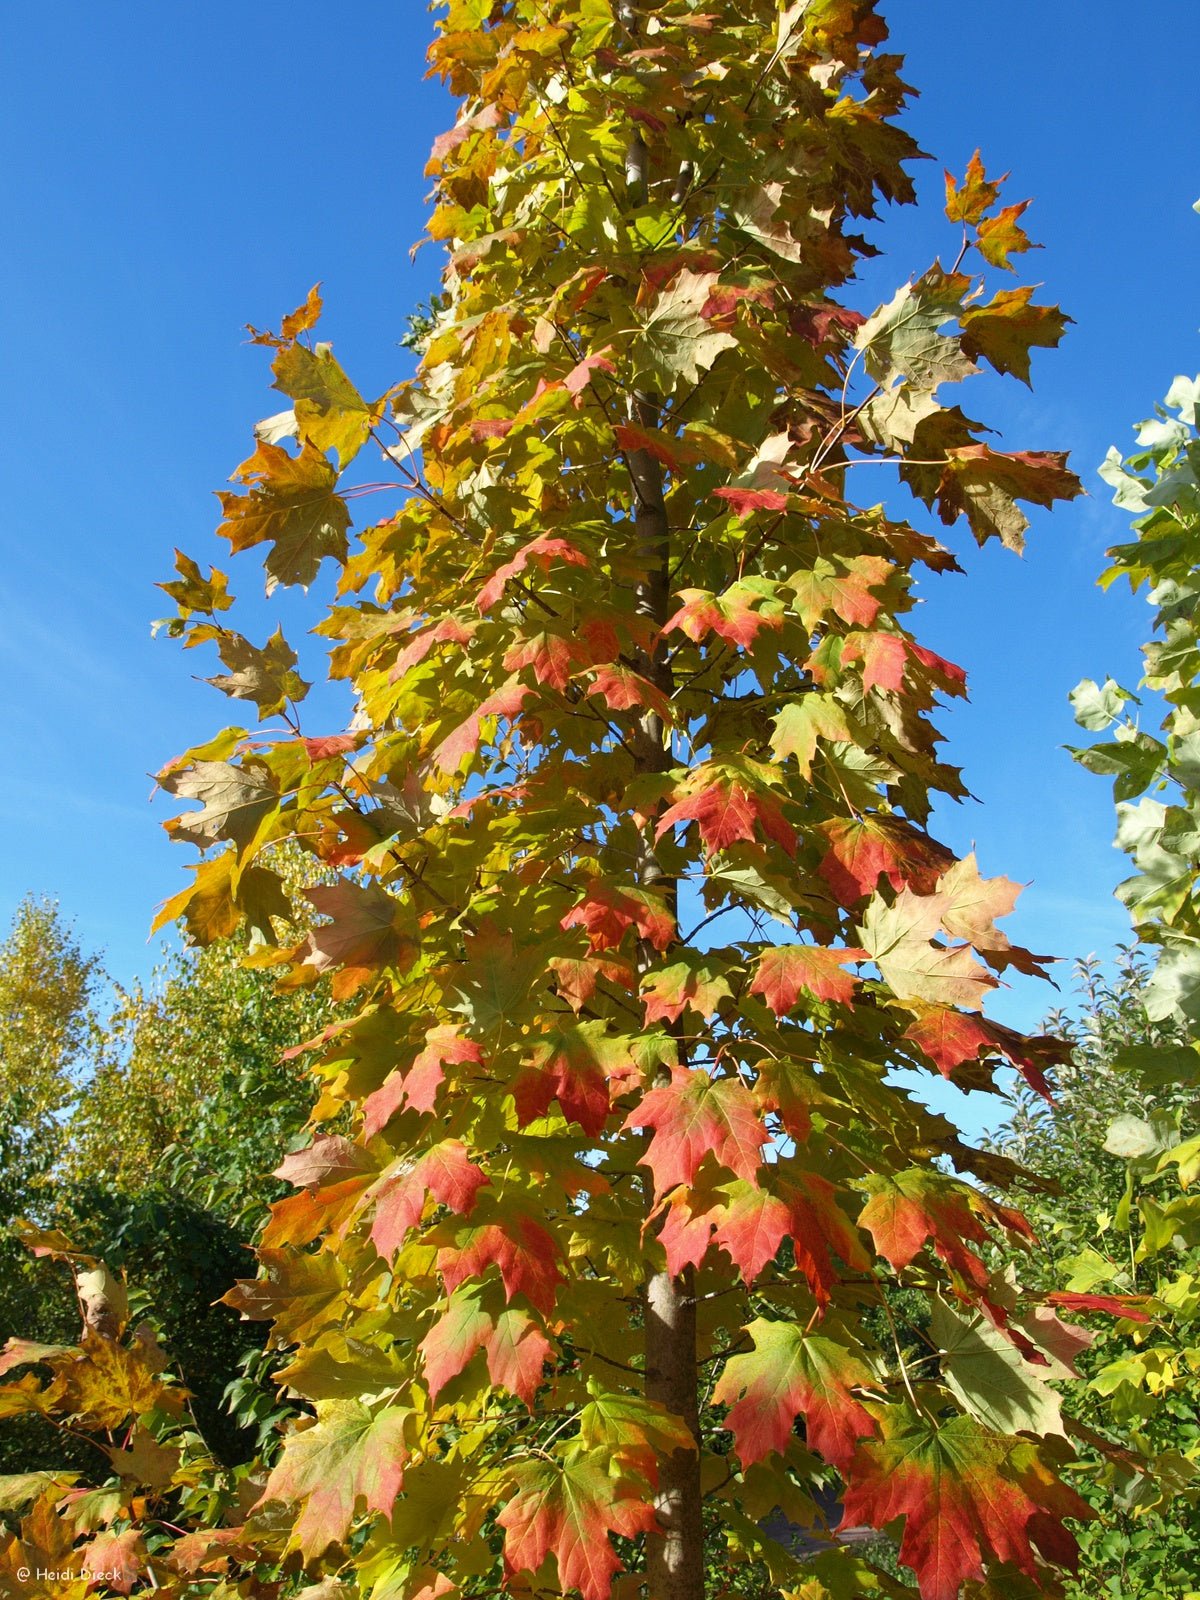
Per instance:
x=1114, y=1226
x=162, y=1126
x=1122, y=1141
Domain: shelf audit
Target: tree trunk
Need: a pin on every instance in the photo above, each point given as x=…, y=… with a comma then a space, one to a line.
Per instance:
x=674, y=1557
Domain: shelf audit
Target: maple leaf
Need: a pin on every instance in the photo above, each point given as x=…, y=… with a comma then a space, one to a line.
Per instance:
x=792, y=1372
x=1000, y=236
x=784, y=972
x=363, y=935
x=464, y=741
x=975, y=196
x=862, y=848
x=573, y=1066
x=744, y=502
x=544, y=550
x=330, y=413
x=884, y=658
x=676, y=342
x=803, y=723
x=904, y=339
x=822, y=588
x=1112, y=1305
x=906, y=1210
x=237, y=801
x=567, y=1508
x=24, y=1352
x=727, y=812
x=417, y=1085
x=751, y=1226
x=984, y=485
x=695, y=1115
x=292, y=506
x=622, y=689
x=684, y=985
x=121, y=1557
x=575, y=979
x=737, y=615
x=899, y=938
x=607, y=913
x=967, y=1497
x=580, y=375
x=633, y=1431
x=106, y=1384
x=1008, y=327
x=266, y=676
x=444, y=1171
x=552, y=656
x=526, y=1255
x=330, y=1158
x=514, y=1345
x=820, y=1229
x=347, y=1455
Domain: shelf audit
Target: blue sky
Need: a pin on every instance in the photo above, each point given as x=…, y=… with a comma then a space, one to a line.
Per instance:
x=173, y=172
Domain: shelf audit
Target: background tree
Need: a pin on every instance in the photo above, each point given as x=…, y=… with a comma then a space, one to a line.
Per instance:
x=1110, y=1225
x=639, y=775
x=167, y=1119
x=1148, y=1241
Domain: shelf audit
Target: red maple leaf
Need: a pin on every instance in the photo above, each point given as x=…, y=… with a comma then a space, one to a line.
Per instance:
x=416, y=1086
x=573, y=1067
x=444, y=1171
x=727, y=813
x=968, y=1497
x=743, y=502
x=552, y=656
x=606, y=914
x=545, y=550
x=580, y=375
x=883, y=657
x=1111, y=1304
x=622, y=689
x=696, y=1115
x=464, y=740
x=448, y=631
x=575, y=978
x=784, y=972
x=333, y=744
x=912, y=1207
x=522, y=1250
x=514, y=1345
x=790, y=1373
x=568, y=1507
x=734, y=615
x=821, y=1229
x=860, y=848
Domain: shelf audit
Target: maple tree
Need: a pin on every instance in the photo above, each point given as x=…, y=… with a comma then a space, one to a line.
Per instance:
x=636, y=898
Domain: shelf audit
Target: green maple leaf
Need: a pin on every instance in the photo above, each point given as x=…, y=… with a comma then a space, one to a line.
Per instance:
x=330, y=413
x=901, y=939
x=998, y=1386
x=676, y=343
x=903, y=340
x=348, y=1455
x=291, y=505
